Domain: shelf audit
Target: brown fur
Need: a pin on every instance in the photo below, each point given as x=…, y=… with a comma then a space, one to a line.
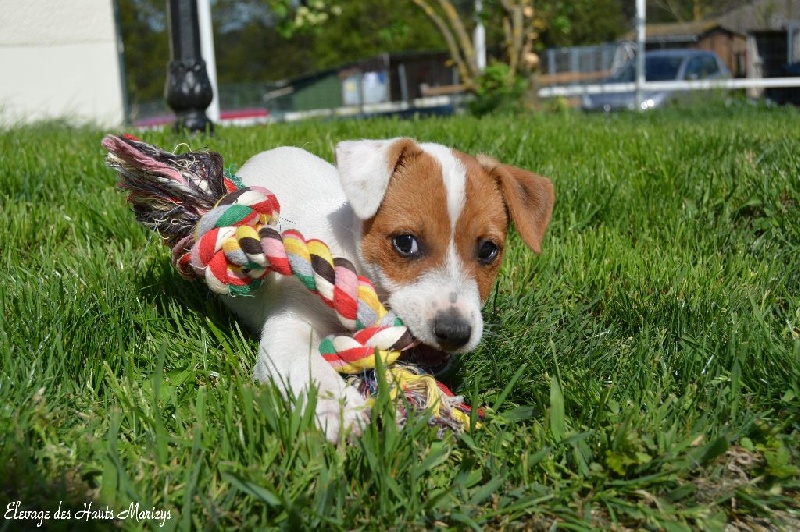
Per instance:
x=415, y=203
x=482, y=218
x=529, y=198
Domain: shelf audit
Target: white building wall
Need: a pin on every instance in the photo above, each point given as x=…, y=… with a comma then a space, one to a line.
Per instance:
x=58, y=59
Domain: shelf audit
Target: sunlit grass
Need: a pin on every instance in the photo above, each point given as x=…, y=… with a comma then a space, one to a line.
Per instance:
x=644, y=370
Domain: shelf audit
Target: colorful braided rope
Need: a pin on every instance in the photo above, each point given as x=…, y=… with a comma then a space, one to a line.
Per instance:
x=235, y=247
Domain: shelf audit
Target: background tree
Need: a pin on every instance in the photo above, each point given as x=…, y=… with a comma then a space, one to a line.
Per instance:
x=252, y=50
x=688, y=10
x=527, y=26
x=584, y=22
x=259, y=41
x=143, y=25
x=365, y=28
x=269, y=40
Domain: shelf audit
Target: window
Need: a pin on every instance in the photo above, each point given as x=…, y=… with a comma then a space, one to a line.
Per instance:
x=710, y=66
x=694, y=68
x=662, y=68
x=702, y=67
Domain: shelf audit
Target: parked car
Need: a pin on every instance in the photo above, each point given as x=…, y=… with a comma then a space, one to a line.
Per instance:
x=661, y=65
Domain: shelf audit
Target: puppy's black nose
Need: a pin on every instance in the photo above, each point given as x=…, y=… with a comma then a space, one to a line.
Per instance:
x=451, y=330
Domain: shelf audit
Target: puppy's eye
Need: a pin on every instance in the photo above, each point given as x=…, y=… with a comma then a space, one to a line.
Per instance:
x=406, y=245
x=487, y=251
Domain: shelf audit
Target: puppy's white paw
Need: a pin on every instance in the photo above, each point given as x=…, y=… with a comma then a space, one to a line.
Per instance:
x=348, y=412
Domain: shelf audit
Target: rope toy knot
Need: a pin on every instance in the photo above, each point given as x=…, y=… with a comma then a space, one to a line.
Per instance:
x=228, y=250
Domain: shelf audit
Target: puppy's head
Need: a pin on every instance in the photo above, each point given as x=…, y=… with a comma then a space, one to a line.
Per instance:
x=433, y=230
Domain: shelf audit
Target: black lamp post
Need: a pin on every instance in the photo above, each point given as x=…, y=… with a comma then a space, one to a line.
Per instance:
x=188, y=90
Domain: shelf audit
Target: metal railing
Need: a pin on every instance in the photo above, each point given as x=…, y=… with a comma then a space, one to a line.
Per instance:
x=580, y=90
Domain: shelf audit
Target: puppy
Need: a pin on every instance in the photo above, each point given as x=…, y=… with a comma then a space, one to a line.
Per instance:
x=425, y=223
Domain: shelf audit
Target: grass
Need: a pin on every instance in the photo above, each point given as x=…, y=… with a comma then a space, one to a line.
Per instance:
x=643, y=372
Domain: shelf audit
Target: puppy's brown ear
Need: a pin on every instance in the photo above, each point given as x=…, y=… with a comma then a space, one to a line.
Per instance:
x=529, y=198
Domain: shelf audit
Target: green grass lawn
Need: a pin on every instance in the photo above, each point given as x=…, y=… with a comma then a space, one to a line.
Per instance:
x=644, y=371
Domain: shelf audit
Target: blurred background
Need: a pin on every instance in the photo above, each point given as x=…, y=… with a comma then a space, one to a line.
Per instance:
x=106, y=60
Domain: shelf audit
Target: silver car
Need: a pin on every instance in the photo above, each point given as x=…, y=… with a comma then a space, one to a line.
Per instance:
x=661, y=65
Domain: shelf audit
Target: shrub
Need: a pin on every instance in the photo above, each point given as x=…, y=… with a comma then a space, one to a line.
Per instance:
x=497, y=91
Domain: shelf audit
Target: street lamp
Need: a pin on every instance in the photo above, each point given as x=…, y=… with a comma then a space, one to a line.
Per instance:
x=188, y=90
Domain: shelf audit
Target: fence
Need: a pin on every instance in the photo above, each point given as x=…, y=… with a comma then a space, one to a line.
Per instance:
x=581, y=64
x=380, y=82
x=425, y=84
x=568, y=73
x=763, y=83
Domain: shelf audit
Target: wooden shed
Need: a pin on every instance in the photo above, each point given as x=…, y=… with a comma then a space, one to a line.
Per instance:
x=729, y=45
x=773, y=32
x=385, y=78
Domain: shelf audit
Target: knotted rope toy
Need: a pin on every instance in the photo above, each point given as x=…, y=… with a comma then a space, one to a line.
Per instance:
x=223, y=232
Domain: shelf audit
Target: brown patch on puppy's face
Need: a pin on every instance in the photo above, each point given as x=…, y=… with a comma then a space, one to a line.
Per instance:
x=481, y=228
x=412, y=206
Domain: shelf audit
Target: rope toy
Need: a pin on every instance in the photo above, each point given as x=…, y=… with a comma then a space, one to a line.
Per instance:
x=223, y=232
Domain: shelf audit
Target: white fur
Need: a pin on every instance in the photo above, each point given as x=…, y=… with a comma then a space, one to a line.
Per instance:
x=454, y=176
x=329, y=205
x=437, y=291
x=291, y=319
x=365, y=173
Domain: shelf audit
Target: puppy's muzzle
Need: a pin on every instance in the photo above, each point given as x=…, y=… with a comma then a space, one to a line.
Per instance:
x=451, y=330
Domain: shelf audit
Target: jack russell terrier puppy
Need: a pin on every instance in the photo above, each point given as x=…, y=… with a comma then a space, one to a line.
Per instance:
x=425, y=223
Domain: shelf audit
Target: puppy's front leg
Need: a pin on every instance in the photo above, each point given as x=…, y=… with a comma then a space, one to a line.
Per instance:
x=289, y=355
